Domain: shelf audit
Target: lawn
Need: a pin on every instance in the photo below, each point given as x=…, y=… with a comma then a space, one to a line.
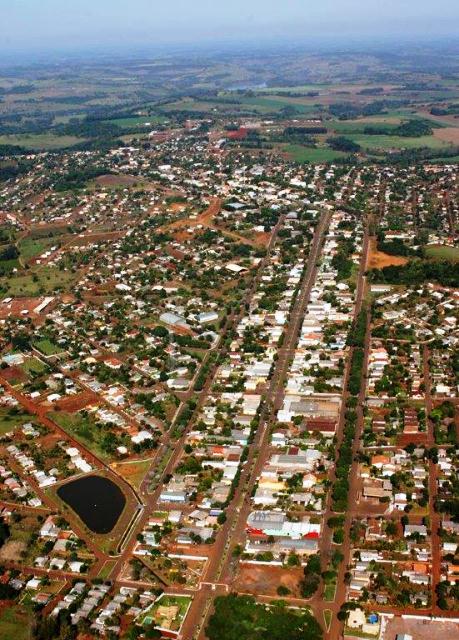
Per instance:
x=47, y=280
x=309, y=154
x=443, y=252
x=10, y=421
x=328, y=615
x=47, y=347
x=106, y=569
x=183, y=602
x=329, y=591
x=15, y=622
x=41, y=141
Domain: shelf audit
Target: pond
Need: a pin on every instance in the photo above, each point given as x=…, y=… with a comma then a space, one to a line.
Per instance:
x=98, y=501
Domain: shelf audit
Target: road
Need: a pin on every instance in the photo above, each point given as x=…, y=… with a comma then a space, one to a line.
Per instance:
x=233, y=531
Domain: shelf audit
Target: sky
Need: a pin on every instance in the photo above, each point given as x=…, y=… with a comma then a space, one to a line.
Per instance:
x=45, y=25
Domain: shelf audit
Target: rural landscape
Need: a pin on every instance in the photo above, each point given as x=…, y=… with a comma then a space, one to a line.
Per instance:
x=229, y=344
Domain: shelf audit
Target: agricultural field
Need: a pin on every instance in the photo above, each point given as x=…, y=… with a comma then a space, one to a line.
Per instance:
x=40, y=142
x=371, y=143
x=309, y=154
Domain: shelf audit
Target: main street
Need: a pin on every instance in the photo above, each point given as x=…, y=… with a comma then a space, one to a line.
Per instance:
x=232, y=533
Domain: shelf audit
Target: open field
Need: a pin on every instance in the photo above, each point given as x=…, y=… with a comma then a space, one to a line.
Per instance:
x=443, y=252
x=48, y=279
x=39, y=142
x=424, y=629
x=15, y=622
x=378, y=259
x=46, y=347
x=34, y=365
x=137, y=121
x=264, y=580
x=82, y=429
x=134, y=472
x=447, y=134
x=370, y=142
x=308, y=154
x=10, y=420
x=32, y=247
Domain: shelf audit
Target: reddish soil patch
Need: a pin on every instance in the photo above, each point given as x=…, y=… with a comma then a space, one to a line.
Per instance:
x=264, y=580
x=177, y=206
x=75, y=403
x=378, y=259
x=262, y=239
x=117, y=180
x=182, y=236
x=14, y=375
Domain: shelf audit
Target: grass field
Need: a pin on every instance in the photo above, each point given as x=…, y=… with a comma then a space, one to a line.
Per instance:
x=358, y=126
x=137, y=121
x=48, y=279
x=47, y=347
x=446, y=160
x=10, y=421
x=34, y=365
x=41, y=141
x=106, y=569
x=443, y=252
x=15, y=622
x=259, y=104
x=31, y=247
x=309, y=154
x=7, y=266
x=329, y=591
x=82, y=429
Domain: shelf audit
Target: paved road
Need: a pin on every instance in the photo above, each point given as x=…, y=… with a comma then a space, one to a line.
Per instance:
x=233, y=531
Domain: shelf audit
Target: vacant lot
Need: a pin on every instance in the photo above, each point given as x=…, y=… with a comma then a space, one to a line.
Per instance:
x=378, y=259
x=264, y=580
x=134, y=472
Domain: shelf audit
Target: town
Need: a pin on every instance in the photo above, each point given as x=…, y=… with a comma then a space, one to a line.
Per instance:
x=228, y=387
